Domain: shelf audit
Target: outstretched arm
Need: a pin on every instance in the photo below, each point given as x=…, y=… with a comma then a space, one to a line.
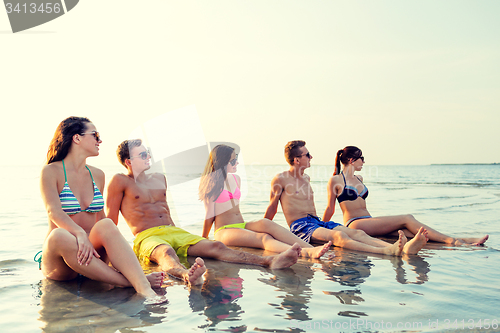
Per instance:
x=276, y=190
x=209, y=217
x=114, y=197
x=330, y=208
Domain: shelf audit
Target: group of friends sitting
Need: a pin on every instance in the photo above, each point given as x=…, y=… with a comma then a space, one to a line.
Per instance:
x=87, y=241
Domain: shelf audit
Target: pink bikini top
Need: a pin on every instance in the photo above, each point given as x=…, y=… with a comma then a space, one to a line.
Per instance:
x=226, y=195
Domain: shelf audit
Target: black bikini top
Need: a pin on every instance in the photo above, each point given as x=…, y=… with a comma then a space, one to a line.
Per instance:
x=350, y=193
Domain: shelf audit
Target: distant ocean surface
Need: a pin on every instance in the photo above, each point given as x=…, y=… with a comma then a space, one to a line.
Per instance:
x=441, y=289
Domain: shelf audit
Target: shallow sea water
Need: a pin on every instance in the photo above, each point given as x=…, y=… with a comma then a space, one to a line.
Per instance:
x=441, y=289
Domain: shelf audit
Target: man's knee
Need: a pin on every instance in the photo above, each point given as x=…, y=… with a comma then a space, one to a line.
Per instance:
x=339, y=238
x=163, y=251
x=218, y=246
x=360, y=233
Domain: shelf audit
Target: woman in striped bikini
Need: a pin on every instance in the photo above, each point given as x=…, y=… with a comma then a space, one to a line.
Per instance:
x=349, y=190
x=221, y=196
x=82, y=240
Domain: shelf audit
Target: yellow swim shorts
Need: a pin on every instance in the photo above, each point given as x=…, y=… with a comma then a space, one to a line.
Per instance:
x=180, y=240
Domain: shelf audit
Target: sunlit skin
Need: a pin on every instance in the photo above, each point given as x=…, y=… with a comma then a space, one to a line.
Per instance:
x=84, y=243
x=384, y=225
x=141, y=198
x=262, y=234
x=293, y=190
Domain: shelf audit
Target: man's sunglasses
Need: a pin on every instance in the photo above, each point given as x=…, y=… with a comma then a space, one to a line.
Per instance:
x=95, y=134
x=143, y=155
x=308, y=155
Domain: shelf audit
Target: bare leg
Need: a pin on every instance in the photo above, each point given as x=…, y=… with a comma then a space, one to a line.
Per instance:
x=363, y=237
x=278, y=232
x=105, y=234
x=60, y=263
x=168, y=261
x=475, y=241
x=341, y=239
x=378, y=226
x=284, y=235
x=219, y=251
x=264, y=240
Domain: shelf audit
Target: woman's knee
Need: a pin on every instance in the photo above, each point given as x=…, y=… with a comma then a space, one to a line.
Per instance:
x=267, y=222
x=59, y=238
x=262, y=224
x=264, y=237
x=105, y=226
x=409, y=218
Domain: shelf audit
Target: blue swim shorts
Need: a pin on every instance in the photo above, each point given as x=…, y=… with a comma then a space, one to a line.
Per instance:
x=304, y=227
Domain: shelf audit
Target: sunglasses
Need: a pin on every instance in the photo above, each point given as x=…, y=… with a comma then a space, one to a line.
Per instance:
x=308, y=155
x=362, y=158
x=234, y=160
x=143, y=155
x=95, y=134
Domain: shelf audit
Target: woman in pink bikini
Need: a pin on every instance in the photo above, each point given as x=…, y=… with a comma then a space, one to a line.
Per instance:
x=348, y=189
x=221, y=195
x=81, y=240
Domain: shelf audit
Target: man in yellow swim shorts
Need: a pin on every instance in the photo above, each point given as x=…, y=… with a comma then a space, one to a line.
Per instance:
x=142, y=200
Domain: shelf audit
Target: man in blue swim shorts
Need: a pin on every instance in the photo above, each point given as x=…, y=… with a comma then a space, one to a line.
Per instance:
x=142, y=200
x=293, y=190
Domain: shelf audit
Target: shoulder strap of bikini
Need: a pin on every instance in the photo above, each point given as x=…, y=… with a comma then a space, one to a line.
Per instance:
x=236, y=180
x=90, y=174
x=64, y=168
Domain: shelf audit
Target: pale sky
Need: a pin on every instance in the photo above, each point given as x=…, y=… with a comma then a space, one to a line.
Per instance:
x=408, y=82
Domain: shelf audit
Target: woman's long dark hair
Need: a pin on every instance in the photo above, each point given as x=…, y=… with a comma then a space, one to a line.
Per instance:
x=61, y=142
x=215, y=173
x=345, y=155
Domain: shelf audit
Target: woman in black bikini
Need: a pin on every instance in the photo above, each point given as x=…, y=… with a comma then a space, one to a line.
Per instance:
x=81, y=240
x=349, y=190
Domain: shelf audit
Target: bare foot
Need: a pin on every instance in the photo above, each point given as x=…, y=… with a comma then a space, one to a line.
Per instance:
x=287, y=258
x=403, y=236
x=194, y=275
x=396, y=249
x=315, y=252
x=156, y=279
x=417, y=242
x=476, y=241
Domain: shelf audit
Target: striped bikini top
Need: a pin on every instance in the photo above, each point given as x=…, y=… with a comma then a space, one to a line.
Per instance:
x=70, y=204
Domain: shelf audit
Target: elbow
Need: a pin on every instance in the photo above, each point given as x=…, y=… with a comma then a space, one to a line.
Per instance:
x=52, y=214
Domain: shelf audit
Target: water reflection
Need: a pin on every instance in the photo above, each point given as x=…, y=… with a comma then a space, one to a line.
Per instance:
x=222, y=300
x=294, y=284
x=86, y=305
x=221, y=291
